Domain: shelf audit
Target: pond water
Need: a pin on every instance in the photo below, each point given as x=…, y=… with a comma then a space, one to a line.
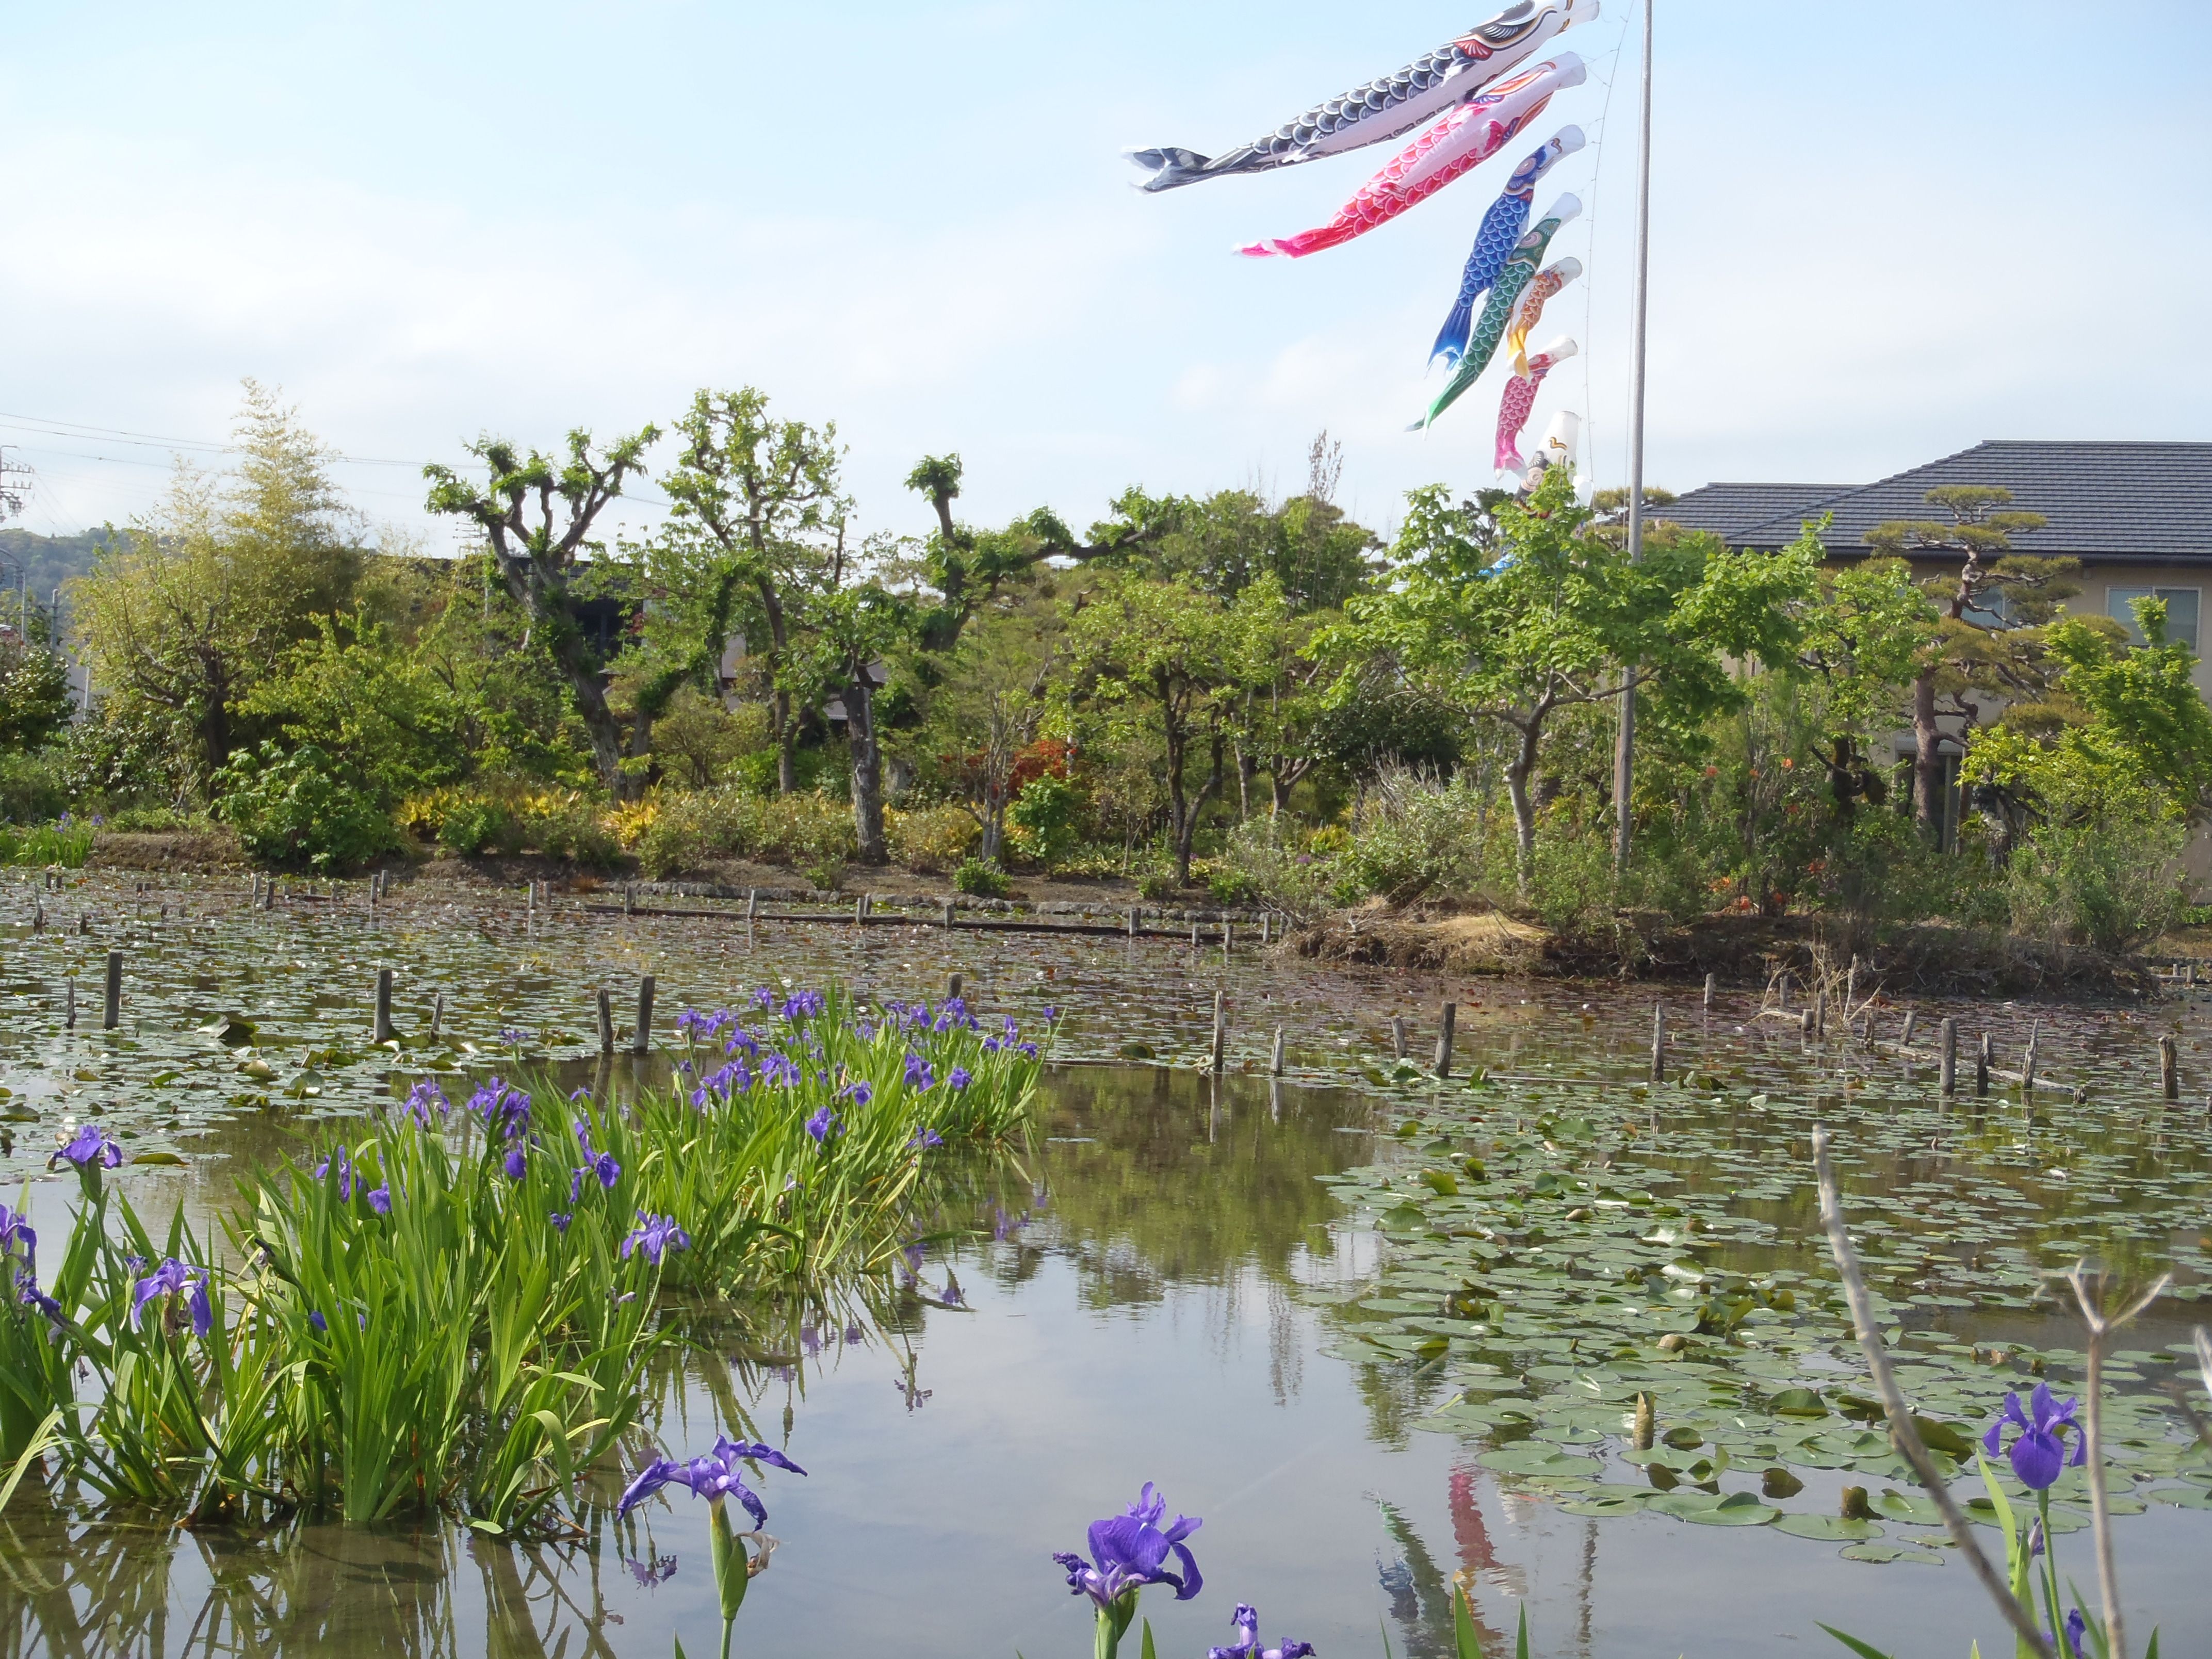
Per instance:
x=1220, y=1286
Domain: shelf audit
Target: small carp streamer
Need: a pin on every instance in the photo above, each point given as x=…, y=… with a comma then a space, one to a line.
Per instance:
x=1518, y=271
x=1383, y=109
x=1508, y=216
x=1469, y=136
x=1526, y=315
x=1520, y=398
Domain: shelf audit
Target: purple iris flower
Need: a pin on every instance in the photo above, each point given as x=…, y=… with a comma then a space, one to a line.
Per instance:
x=601, y=1165
x=316, y=1321
x=1248, y=1645
x=925, y=1137
x=2039, y=1451
x=1027, y=1051
x=810, y=1340
x=16, y=1231
x=380, y=1199
x=513, y=1037
x=781, y=1071
x=561, y=1220
x=918, y=1074
x=425, y=1098
x=801, y=1004
x=503, y=1108
x=859, y=1091
x=513, y=1164
x=28, y=1293
x=344, y=1160
x=653, y=1572
x=1131, y=1551
x=2077, y=1628
x=90, y=1149
x=992, y=1045
x=656, y=1234
x=741, y=1038
x=718, y=1474
x=1052, y=1018
x=172, y=1278
x=959, y=1078
x=822, y=1126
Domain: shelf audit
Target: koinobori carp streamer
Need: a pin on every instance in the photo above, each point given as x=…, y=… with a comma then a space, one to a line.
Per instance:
x=1385, y=108
x=1465, y=139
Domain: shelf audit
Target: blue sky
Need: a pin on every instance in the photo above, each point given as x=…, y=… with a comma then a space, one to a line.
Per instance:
x=1882, y=234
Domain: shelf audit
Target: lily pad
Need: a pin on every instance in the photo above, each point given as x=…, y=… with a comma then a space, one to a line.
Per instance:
x=1826, y=1525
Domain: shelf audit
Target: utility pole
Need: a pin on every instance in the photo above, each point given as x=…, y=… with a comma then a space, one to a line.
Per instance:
x=1624, y=753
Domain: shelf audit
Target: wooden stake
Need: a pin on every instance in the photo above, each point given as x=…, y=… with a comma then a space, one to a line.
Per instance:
x=437, y=1014
x=629, y=898
x=1132, y=921
x=606, y=1022
x=752, y=903
x=2169, y=1068
x=952, y=988
x=1911, y=1019
x=2028, y=1065
x=1658, y=1042
x=1782, y=989
x=111, y=1009
x=948, y=916
x=1275, y=1056
x=1444, y=1039
x=1947, y=1061
x=1267, y=927
x=642, y=1043
x=1193, y=936
x=1226, y=931
x=1398, y=1035
x=1805, y=1024
x=1820, y=1012
x=382, y=1026
x=1982, y=1058
x=1220, y=1028
x=69, y=1004
x=1851, y=990
x=1713, y=989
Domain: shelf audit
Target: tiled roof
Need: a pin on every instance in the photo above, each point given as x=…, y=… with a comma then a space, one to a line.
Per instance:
x=2105, y=501
x=1726, y=509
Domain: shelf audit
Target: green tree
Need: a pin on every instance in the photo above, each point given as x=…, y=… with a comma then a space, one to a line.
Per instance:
x=35, y=699
x=184, y=613
x=758, y=515
x=1165, y=655
x=1987, y=650
x=1510, y=615
x=537, y=514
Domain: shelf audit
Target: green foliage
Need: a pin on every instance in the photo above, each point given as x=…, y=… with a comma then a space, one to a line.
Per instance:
x=302, y=808
x=35, y=699
x=694, y=829
x=2109, y=882
x=67, y=843
x=932, y=839
x=32, y=787
x=1045, y=815
x=981, y=879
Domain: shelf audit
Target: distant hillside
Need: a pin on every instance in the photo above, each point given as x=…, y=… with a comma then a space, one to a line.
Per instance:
x=51, y=560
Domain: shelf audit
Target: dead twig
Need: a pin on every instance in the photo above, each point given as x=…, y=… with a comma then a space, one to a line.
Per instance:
x=2089, y=1292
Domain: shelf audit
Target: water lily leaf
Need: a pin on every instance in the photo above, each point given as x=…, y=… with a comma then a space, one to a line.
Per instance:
x=1798, y=1402
x=1738, y=1509
x=1826, y=1525
x=1890, y=1552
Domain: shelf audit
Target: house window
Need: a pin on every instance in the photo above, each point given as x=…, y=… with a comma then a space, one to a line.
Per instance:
x=2180, y=612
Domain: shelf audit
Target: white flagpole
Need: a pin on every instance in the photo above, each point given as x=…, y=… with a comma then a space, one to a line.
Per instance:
x=1624, y=754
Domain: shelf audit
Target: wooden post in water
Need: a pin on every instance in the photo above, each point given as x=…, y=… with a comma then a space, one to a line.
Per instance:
x=1275, y=1055
x=110, y=1013
x=1227, y=929
x=84, y=921
x=1820, y=1012
x=1851, y=990
x=1948, y=1059
x=752, y=904
x=948, y=916
x=437, y=1014
x=860, y=909
x=1132, y=917
x=38, y=915
x=1398, y=1035
x=1444, y=1039
x=269, y=894
x=952, y=988
x=1712, y=990
x=2027, y=1064
x=606, y=1022
x=1911, y=1019
x=2169, y=1067
x=1782, y=989
x=1982, y=1058
x=530, y=902
x=1267, y=927
x=1194, y=935
x=1658, y=1042
x=1220, y=1028
x=1805, y=1024
x=642, y=1043
x=382, y=1025
x=69, y=1004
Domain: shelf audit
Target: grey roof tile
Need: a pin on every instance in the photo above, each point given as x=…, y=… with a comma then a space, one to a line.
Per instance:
x=1726, y=509
x=2105, y=501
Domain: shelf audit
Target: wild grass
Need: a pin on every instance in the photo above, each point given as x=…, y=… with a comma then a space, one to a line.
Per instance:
x=66, y=842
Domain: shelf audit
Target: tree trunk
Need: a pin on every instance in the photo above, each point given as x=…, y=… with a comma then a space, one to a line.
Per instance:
x=546, y=600
x=1518, y=772
x=1926, y=760
x=787, y=743
x=1187, y=825
x=867, y=768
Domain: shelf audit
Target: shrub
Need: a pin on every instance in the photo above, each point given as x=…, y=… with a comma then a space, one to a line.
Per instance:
x=1042, y=818
x=1230, y=885
x=807, y=831
x=1253, y=865
x=1157, y=884
x=2108, y=885
x=302, y=808
x=933, y=839
x=1421, y=836
x=566, y=824
x=981, y=879
x=32, y=789
x=68, y=844
x=477, y=824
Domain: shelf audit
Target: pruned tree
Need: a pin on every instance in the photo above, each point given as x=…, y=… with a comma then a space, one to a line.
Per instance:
x=537, y=514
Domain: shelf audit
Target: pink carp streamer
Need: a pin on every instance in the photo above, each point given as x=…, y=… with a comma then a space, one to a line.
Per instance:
x=1548, y=282
x=1520, y=398
x=1450, y=150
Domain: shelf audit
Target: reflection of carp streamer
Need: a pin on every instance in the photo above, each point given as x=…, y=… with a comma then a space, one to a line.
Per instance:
x=1520, y=398
x=1383, y=109
x=1502, y=226
x=1454, y=146
x=1520, y=270
x=1526, y=315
